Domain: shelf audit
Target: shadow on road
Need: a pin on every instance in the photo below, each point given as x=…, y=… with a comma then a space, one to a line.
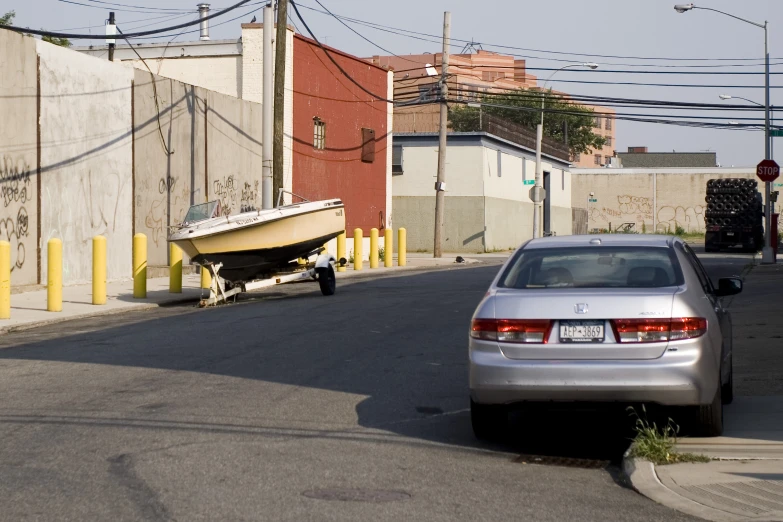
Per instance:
x=400, y=342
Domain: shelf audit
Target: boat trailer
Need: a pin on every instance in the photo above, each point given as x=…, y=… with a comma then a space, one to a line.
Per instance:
x=320, y=270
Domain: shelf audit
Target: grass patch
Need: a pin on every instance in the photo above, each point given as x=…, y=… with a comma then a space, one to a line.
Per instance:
x=657, y=444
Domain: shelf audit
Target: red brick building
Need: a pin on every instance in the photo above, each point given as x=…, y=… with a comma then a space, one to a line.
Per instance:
x=341, y=134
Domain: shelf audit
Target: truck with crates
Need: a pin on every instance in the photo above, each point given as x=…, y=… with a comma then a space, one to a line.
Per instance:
x=734, y=217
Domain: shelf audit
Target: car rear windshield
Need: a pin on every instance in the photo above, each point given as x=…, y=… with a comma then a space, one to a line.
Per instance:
x=593, y=267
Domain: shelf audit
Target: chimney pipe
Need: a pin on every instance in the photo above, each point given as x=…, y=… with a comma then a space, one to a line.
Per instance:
x=203, y=11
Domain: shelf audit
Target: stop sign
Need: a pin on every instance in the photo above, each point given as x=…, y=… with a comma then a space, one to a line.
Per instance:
x=767, y=170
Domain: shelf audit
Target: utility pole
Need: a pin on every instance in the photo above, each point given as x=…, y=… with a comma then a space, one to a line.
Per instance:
x=267, y=113
x=440, y=185
x=768, y=252
x=279, y=115
x=111, y=30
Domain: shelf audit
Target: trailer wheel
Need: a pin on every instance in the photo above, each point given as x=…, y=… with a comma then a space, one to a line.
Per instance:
x=327, y=280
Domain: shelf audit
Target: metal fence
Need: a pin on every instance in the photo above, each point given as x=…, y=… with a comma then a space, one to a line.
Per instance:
x=524, y=136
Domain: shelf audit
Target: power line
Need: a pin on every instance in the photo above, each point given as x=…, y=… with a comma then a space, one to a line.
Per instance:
x=361, y=35
x=215, y=25
x=132, y=35
x=536, y=95
x=604, y=71
x=331, y=58
x=641, y=58
x=136, y=6
x=159, y=17
x=653, y=119
x=143, y=10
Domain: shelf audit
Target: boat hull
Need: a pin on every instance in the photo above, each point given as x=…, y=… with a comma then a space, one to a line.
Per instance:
x=256, y=246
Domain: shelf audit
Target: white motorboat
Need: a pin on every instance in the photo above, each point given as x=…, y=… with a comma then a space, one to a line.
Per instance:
x=258, y=243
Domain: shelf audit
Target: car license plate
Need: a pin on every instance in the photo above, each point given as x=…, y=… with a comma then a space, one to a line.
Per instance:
x=581, y=331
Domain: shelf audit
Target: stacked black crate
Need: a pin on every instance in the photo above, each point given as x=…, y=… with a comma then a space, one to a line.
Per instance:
x=734, y=203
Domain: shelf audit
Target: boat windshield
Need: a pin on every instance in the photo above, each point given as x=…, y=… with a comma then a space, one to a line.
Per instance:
x=203, y=211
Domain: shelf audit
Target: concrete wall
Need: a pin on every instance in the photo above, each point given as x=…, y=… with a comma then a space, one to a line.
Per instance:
x=119, y=154
x=253, y=88
x=221, y=74
x=485, y=180
x=18, y=155
x=652, y=199
x=463, y=219
x=169, y=161
x=234, y=153
x=86, y=182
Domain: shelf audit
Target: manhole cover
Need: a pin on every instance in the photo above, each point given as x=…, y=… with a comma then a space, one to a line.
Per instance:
x=357, y=494
x=562, y=461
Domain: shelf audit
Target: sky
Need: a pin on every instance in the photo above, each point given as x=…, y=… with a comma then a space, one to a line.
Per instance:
x=640, y=35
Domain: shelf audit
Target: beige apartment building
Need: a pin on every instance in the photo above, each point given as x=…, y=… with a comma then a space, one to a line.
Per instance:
x=415, y=78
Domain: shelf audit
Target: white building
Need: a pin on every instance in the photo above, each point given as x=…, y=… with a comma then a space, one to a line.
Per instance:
x=488, y=179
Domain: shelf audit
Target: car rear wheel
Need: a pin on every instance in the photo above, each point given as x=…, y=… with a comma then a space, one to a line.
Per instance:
x=489, y=421
x=727, y=390
x=708, y=419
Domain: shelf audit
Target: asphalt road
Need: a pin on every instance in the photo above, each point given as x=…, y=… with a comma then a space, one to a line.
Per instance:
x=292, y=407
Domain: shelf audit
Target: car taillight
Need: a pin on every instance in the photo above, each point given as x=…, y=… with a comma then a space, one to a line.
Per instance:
x=658, y=330
x=511, y=330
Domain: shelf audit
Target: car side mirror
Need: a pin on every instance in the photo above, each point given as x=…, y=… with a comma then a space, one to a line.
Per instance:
x=728, y=286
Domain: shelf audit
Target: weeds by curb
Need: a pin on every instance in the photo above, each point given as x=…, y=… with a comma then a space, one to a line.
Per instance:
x=657, y=444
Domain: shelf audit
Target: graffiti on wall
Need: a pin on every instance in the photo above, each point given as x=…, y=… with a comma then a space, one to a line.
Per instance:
x=16, y=191
x=689, y=218
x=629, y=208
x=225, y=190
x=249, y=197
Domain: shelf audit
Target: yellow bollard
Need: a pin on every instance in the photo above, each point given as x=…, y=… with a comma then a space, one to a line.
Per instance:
x=5, y=280
x=357, y=249
x=402, y=245
x=99, y=270
x=373, y=248
x=175, y=269
x=340, y=251
x=206, y=278
x=54, y=271
x=388, y=247
x=140, y=266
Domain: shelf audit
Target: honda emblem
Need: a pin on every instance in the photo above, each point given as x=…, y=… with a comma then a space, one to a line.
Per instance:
x=580, y=308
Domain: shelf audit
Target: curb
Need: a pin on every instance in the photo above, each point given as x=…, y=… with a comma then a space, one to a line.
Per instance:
x=357, y=275
x=640, y=474
x=114, y=311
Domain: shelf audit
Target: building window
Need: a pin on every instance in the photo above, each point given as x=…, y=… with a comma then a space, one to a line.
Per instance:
x=608, y=160
x=319, y=133
x=608, y=141
x=397, y=160
x=598, y=159
x=368, y=145
x=500, y=162
x=608, y=123
x=597, y=122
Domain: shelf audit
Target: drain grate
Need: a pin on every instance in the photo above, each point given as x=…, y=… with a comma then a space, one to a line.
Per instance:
x=568, y=462
x=357, y=495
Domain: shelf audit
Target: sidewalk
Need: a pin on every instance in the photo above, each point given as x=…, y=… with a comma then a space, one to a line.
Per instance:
x=744, y=481
x=28, y=309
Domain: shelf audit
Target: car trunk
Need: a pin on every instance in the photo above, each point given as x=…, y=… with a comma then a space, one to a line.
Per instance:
x=590, y=306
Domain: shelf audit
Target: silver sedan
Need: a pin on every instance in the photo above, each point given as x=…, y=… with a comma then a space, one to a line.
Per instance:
x=617, y=318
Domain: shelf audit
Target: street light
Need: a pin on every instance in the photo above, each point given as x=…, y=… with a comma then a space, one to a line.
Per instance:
x=767, y=254
x=537, y=194
x=771, y=117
